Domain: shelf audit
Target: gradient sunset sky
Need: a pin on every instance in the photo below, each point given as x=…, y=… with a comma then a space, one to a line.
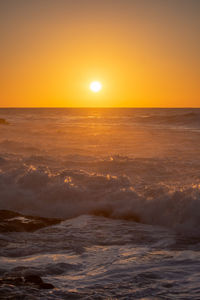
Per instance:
x=144, y=52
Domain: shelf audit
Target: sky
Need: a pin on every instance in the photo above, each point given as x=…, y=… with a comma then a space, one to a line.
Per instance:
x=145, y=53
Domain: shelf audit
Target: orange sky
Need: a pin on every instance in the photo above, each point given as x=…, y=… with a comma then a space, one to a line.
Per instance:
x=144, y=52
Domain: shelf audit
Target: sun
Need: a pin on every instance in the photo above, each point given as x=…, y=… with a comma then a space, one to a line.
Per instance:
x=95, y=86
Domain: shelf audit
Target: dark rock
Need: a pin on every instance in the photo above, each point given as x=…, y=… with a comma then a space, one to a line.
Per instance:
x=3, y=122
x=37, y=281
x=6, y=214
x=33, y=279
x=45, y=285
x=15, y=222
x=29, y=280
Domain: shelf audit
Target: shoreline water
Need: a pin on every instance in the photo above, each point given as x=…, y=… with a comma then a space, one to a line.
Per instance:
x=100, y=204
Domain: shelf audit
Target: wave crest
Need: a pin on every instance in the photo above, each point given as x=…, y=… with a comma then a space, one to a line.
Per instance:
x=70, y=193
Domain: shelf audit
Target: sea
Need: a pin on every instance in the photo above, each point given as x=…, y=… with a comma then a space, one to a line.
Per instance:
x=99, y=203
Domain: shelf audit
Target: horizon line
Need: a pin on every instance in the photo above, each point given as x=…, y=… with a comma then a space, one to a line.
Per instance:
x=100, y=107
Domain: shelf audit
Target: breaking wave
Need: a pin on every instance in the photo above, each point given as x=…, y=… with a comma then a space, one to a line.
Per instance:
x=71, y=193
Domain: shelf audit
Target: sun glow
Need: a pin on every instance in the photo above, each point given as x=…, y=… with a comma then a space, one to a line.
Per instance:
x=95, y=86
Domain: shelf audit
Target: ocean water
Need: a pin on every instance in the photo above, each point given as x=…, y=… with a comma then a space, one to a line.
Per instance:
x=100, y=203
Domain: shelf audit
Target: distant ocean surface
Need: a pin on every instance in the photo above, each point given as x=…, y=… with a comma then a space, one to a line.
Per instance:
x=100, y=203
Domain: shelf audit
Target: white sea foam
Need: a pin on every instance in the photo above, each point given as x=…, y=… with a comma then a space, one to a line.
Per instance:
x=70, y=193
x=124, y=185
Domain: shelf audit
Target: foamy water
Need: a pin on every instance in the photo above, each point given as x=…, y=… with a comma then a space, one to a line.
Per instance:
x=101, y=203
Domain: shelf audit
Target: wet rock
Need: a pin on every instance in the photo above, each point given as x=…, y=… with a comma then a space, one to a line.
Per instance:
x=37, y=281
x=33, y=279
x=29, y=280
x=45, y=285
x=15, y=222
x=3, y=122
